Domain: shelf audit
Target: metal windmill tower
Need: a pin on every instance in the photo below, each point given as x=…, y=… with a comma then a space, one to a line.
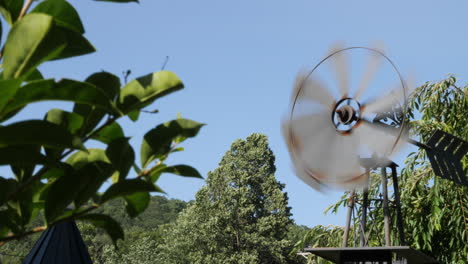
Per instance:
x=337, y=136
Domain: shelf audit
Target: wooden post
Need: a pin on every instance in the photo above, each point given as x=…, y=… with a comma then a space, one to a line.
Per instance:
x=365, y=195
x=348, y=218
x=386, y=211
x=398, y=206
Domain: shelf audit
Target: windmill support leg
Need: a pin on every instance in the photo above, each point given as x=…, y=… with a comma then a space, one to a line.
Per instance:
x=386, y=211
x=348, y=218
x=365, y=195
x=399, y=216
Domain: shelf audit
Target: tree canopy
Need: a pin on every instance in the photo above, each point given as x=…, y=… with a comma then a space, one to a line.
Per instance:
x=241, y=215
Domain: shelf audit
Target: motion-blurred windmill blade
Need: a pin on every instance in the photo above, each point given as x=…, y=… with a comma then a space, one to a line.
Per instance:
x=312, y=89
x=375, y=61
x=315, y=124
x=445, y=153
x=382, y=139
x=384, y=103
x=326, y=144
x=340, y=63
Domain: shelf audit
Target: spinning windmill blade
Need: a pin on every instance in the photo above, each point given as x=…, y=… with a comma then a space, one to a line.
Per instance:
x=328, y=132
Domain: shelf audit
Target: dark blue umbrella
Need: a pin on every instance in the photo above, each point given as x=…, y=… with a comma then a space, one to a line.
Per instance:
x=61, y=243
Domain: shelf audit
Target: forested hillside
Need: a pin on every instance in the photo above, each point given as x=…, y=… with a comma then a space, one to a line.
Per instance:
x=160, y=211
x=142, y=234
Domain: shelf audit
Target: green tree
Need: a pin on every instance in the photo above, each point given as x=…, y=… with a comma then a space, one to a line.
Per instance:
x=241, y=215
x=141, y=233
x=51, y=167
x=435, y=210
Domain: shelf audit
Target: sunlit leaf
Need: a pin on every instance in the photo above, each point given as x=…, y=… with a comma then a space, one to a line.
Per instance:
x=64, y=90
x=109, y=133
x=71, y=121
x=8, y=89
x=81, y=158
x=158, y=141
x=142, y=91
x=27, y=45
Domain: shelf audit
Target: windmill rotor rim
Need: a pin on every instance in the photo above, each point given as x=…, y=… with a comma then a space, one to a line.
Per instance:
x=307, y=75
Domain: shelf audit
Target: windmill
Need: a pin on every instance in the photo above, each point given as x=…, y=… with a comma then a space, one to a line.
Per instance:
x=340, y=127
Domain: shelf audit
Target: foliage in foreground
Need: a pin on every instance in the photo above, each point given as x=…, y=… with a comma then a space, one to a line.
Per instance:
x=142, y=234
x=51, y=167
x=435, y=210
x=241, y=215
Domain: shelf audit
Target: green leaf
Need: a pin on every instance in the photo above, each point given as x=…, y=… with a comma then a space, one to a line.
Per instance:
x=22, y=156
x=93, y=167
x=32, y=132
x=122, y=156
x=29, y=43
x=34, y=76
x=63, y=13
x=76, y=44
x=9, y=218
x=134, y=115
x=128, y=187
x=81, y=158
x=28, y=202
x=137, y=203
x=112, y=227
x=8, y=89
x=6, y=187
x=108, y=82
x=182, y=170
x=71, y=121
x=109, y=133
x=65, y=90
x=110, y=85
x=156, y=172
x=144, y=90
x=25, y=159
x=10, y=10
x=35, y=39
x=61, y=193
x=92, y=177
x=157, y=141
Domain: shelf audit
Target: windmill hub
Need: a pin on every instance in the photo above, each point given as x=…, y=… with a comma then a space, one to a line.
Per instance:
x=346, y=114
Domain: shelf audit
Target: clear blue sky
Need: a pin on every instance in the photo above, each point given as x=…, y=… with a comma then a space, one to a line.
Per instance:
x=238, y=60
